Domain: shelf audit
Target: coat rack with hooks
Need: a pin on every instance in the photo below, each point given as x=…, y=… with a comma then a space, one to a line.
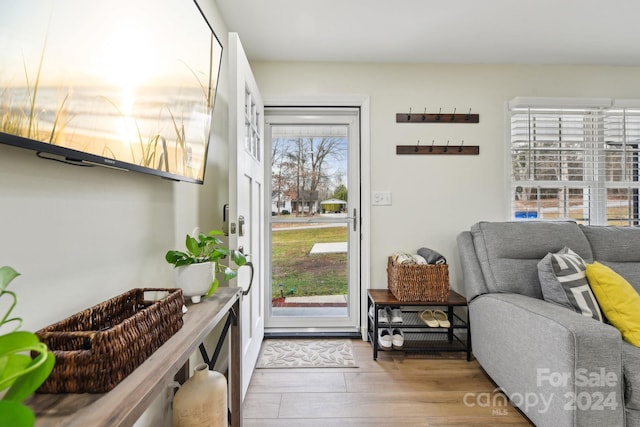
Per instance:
x=438, y=117
x=438, y=149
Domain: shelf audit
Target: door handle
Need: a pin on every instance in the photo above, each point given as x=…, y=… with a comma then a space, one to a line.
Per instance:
x=250, y=265
x=355, y=219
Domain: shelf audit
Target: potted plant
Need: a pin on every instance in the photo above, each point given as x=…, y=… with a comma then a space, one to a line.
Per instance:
x=196, y=268
x=25, y=362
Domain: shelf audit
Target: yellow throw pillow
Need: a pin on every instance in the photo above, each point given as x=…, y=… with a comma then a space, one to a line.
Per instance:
x=618, y=300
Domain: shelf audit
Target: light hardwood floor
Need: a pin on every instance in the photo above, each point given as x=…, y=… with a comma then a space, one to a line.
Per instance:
x=395, y=390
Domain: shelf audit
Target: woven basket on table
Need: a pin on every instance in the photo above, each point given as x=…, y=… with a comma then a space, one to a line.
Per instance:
x=98, y=347
x=413, y=282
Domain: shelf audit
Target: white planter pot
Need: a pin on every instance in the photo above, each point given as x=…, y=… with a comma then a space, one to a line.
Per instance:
x=194, y=279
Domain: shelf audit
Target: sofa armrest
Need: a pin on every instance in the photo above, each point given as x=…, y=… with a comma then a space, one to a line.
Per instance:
x=557, y=366
x=472, y=276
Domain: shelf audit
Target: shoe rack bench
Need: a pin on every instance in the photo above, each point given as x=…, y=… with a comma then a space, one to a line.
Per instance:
x=418, y=336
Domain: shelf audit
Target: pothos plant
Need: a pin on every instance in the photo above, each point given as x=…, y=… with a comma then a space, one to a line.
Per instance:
x=207, y=248
x=20, y=373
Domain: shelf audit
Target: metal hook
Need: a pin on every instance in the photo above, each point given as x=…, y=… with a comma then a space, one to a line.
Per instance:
x=438, y=116
x=460, y=148
x=453, y=115
x=468, y=115
x=416, y=147
x=433, y=141
x=409, y=115
x=447, y=147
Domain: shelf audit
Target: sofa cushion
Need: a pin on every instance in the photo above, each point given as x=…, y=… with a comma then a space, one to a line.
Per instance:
x=618, y=300
x=631, y=372
x=618, y=248
x=563, y=280
x=509, y=252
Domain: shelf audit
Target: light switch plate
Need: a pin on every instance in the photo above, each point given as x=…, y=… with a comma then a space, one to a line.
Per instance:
x=381, y=198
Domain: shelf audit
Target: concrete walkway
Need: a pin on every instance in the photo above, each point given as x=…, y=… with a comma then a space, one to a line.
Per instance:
x=329, y=248
x=321, y=299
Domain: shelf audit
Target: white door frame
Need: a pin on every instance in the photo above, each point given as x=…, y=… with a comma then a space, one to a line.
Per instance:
x=362, y=102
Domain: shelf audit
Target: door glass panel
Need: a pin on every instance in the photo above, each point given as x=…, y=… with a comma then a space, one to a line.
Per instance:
x=310, y=222
x=253, y=132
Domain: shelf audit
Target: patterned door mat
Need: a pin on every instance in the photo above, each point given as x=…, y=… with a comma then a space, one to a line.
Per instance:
x=306, y=353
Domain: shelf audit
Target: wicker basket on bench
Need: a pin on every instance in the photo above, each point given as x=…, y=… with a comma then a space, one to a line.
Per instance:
x=97, y=348
x=414, y=282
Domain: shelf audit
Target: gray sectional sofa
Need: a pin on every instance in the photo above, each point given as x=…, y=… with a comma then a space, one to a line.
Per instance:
x=559, y=367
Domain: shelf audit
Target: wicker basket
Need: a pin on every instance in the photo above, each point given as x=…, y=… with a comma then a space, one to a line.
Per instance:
x=98, y=347
x=412, y=282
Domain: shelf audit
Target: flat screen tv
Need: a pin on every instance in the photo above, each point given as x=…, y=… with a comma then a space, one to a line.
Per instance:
x=129, y=84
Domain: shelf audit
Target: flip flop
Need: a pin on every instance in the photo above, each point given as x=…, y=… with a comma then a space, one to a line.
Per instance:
x=427, y=317
x=442, y=319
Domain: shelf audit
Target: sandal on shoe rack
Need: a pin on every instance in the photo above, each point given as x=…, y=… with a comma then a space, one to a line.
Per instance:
x=435, y=319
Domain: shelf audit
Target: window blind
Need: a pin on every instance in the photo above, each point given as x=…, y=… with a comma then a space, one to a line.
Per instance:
x=575, y=162
x=622, y=136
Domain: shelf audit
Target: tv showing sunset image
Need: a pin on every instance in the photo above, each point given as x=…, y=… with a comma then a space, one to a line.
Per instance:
x=125, y=83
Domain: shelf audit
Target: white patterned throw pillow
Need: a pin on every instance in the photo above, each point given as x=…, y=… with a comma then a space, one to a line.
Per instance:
x=563, y=281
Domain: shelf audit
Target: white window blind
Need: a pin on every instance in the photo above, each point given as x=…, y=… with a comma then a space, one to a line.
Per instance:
x=622, y=136
x=575, y=161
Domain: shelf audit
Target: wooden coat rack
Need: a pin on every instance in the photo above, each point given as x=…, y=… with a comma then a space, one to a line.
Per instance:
x=437, y=117
x=438, y=149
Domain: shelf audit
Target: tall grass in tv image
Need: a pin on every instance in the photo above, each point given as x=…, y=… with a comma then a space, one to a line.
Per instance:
x=131, y=83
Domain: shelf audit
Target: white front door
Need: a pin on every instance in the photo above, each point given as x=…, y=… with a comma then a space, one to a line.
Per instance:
x=246, y=198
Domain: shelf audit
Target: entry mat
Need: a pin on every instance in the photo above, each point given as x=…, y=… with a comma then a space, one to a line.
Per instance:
x=306, y=353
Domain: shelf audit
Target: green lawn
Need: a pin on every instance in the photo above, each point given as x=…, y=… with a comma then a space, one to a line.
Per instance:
x=306, y=274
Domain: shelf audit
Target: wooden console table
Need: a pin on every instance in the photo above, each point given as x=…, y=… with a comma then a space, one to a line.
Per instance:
x=123, y=405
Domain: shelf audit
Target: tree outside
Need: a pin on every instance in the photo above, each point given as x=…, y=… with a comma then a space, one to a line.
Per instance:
x=305, y=171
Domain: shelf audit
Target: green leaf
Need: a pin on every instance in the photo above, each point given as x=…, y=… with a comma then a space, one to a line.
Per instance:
x=15, y=414
x=4, y=362
x=213, y=288
x=215, y=240
x=178, y=258
x=223, y=251
x=11, y=345
x=192, y=246
x=215, y=233
x=12, y=365
x=173, y=256
x=26, y=384
x=15, y=341
x=239, y=258
x=229, y=273
x=7, y=274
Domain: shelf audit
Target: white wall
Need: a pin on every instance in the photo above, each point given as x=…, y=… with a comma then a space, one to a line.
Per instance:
x=436, y=197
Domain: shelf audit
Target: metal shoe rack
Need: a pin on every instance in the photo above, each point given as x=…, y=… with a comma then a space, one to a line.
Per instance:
x=418, y=337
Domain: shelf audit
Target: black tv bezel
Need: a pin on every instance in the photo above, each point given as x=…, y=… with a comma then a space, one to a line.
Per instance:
x=83, y=158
